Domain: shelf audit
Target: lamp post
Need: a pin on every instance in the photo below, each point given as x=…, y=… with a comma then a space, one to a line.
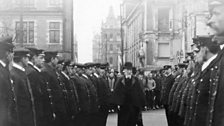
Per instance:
x=122, y=40
x=21, y=23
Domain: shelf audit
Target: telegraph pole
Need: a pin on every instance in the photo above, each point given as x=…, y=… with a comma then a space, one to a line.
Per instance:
x=72, y=32
x=21, y=23
x=122, y=41
x=106, y=49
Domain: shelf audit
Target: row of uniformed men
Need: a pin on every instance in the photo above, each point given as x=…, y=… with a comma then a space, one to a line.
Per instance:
x=190, y=96
x=196, y=96
x=39, y=90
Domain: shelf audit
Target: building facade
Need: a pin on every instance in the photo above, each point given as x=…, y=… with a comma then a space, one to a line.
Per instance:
x=45, y=24
x=97, y=49
x=111, y=40
x=158, y=32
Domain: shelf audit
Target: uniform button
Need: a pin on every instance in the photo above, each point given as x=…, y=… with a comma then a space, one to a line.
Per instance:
x=212, y=69
x=216, y=67
x=201, y=80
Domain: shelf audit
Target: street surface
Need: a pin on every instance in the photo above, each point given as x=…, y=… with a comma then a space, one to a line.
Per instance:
x=150, y=118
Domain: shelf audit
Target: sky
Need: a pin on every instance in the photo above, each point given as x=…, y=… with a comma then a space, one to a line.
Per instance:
x=88, y=16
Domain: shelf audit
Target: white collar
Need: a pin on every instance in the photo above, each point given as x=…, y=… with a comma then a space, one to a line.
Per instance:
x=65, y=75
x=30, y=63
x=222, y=46
x=3, y=64
x=206, y=63
x=85, y=76
x=18, y=66
x=34, y=66
x=96, y=75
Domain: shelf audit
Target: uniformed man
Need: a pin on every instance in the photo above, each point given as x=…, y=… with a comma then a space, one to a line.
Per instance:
x=26, y=111
x=167, y=85
x=216, y=22
x=91, y=85
x=103, y=93
x=210, y=50
x=83, y=94
x=8, y=111
x=33, y=71
x=129, y=95
x=55, y=113
x=69, y=91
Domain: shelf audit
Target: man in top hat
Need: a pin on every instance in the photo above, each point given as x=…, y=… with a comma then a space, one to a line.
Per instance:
x=55, y=113
x=24, y=95
x=7, y=94
x=166, y=87
x=33, y=71
x=129, y=95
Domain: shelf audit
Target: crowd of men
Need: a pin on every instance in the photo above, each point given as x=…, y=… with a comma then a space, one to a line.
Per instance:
x=193, y=96
x=38, y=89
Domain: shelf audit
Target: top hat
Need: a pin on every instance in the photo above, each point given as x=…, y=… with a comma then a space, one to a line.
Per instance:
x=128, y=65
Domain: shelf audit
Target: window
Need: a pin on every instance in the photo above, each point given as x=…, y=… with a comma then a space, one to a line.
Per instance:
x=163, y=19
x=111, y=47
x=28, y=31
x=54, y=32
x=111, y=36
x=111, y=60
x=26, y=3
x=164, y=50
x=55, y=3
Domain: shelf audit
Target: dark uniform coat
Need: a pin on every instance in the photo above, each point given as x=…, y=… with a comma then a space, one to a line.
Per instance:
x=103, y=93
x=217, y=91
x=24, y=97
x=93, y=99
x=7, y=99
x=71, y=94
x=36, y=81
x=84, y=101
x=168, y=83
x=54, y=105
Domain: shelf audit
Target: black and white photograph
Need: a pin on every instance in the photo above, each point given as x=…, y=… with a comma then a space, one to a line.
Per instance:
x=111, y=62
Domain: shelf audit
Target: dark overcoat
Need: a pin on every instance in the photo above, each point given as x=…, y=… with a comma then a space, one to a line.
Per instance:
x=7, y=99
x=23, y=97
x=36, y=81
x=54, y=105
